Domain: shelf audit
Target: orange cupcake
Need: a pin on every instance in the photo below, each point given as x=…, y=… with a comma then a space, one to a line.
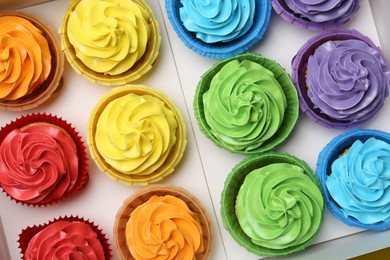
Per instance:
x=31, y=64
x=150, y=214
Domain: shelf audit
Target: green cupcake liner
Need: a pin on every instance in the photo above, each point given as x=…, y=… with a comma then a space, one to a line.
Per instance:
x=230, y=191
x=291, y=112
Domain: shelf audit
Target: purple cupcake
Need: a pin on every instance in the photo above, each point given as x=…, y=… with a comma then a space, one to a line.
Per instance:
x=316, y=15
x=342, y=78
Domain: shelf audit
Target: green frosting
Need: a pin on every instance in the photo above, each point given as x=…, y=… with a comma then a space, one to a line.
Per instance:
x=244, y=105
x=279, y=206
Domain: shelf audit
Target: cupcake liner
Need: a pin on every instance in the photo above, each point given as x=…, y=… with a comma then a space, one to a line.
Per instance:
x=329, y=154
x=25, y=120
x=141, y=67
x=291, y=113
x=299, y=66
x=173, y=158
x=281, y=8
x=143, y=195
x=231, y=189
x=221, y=50
x=54, y=81
x=29, y=232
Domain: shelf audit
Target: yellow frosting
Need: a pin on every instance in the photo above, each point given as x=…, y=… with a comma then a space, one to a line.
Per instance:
x=25, y=59
x=109, y=36
x=135, y=134
x=164, y=228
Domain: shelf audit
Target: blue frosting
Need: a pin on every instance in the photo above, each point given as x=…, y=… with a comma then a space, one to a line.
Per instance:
x=360, y=181
x=217, y=20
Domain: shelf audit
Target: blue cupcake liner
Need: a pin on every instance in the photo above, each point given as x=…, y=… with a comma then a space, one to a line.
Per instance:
x=226, y=49
x=329, y=154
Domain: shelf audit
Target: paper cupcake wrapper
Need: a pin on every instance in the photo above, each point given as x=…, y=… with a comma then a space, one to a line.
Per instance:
x=329, y=154
x=143, y=195
x=28, y=233
x=299, y=67
x=281, y=8
x=230, y=191
x=54, y=81
x=221, y=50
x=140, y=68
x=171, y=161
x=291, y=113
x=67, y=127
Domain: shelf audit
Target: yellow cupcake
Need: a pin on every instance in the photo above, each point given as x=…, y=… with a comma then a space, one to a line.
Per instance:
x=136, y=135
x=112, y=42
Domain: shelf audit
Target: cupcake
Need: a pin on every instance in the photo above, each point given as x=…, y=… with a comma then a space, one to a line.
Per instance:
x=136, y=135
x=112, y=42
x=354, y=170
x=316, y=15
x=31, y=64
x=64, y=238
x=246, y=104
x=42, y=158
x=342, y=78
x=272, y=204
x=215, y=29
x=162, y=222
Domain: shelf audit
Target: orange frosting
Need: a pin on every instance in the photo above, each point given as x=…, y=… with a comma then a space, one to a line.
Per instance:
x=164, y=228
x=25, y=59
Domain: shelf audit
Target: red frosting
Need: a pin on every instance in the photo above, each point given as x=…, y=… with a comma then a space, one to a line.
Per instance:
x=65, y=240
x=38, y=164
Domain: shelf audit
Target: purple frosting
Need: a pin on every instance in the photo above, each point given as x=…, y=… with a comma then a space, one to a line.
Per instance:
x=347, y=79
x=324, y=11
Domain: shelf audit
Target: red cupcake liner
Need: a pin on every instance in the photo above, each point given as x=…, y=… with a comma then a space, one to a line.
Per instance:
x=25, y=120
x=29, y=232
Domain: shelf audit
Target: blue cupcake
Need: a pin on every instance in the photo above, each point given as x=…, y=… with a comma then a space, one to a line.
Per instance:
x=219, y=30
x=354, y=170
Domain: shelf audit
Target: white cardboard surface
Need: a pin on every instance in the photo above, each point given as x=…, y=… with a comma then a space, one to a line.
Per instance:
x=204, y=166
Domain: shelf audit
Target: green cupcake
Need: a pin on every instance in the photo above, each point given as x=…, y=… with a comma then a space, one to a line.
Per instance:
x=272, y=204
x=246, y=104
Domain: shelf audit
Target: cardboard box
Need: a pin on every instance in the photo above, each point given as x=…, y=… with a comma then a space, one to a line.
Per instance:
x=16, y=4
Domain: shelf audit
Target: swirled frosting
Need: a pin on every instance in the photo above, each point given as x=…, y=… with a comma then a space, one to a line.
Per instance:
x=324, y=11
x=217, y=20
x=279, y=206
x=109, y=36
x=244, y=105
x=25, y=59
x=136, y=133
x=38, y=163
x=347, y=80
x=164, y=228
x=65, y=240
x=360, y=181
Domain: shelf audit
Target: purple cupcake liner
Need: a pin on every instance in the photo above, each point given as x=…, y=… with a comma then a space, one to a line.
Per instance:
x=222, y=50
x=298, y=76
x=281, y=8
x=329, y=154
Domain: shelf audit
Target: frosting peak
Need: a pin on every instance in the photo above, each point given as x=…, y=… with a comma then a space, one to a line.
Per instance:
x=135, y=134
x=324, y=11
x=25, y=59
x=347, y=80
x=217, y=20
x=244, y=106
x=164, y=228
x=39, y=163
x=279, y=206
x=65, y=240
x=109, y=36
x=360, y=181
